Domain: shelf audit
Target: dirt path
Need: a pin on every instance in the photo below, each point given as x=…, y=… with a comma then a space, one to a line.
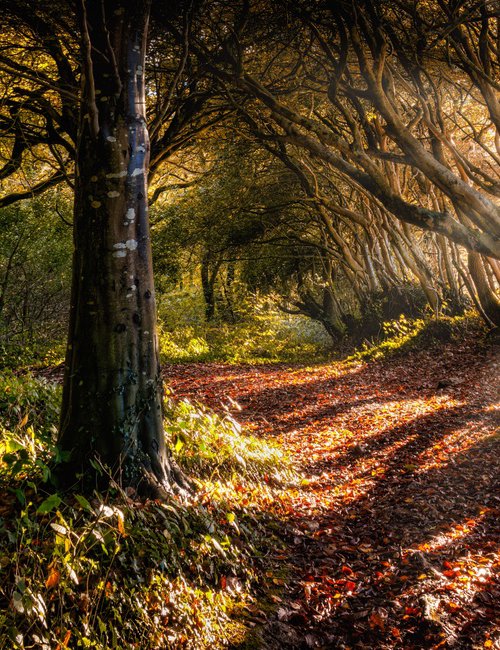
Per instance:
x=395, y=530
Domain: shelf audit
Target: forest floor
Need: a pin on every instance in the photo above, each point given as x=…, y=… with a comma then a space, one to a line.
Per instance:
x=393, y=533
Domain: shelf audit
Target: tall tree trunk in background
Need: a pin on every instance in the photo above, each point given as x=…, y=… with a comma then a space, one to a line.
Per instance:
x=488, y=300
x=112, y=396
x=209, y=271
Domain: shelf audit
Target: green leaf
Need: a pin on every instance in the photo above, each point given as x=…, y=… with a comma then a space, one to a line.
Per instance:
x=49, y=504
x=13, y=445
x=96, y=466
x=83, y=502
x=20, y=496
x=60, y=455
x=102, y=625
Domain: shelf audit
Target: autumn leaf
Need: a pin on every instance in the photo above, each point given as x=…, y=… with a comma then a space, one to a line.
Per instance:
x=24, y=421
x=64, y=643
x=121, y=523
x=53, y=578
x=376, y=621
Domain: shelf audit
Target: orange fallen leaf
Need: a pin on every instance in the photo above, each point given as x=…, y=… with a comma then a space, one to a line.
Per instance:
x=452, y=607
x=121, y=527
x=53, y=578
x=376, y=621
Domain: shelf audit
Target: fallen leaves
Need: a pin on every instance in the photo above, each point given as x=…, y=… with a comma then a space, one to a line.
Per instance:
x=394, y=538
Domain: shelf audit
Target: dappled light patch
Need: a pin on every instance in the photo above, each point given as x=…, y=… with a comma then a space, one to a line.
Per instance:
x=261, y=334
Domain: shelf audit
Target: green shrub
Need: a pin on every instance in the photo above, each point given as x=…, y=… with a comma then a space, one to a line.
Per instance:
x=35, y=273
x=24, y=397
x=113, y=574
x=109, y=571
x=212, y=446
x=29, y=412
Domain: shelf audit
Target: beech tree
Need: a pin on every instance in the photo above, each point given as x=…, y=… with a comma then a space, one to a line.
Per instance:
x=112, y=399
x=112, y=394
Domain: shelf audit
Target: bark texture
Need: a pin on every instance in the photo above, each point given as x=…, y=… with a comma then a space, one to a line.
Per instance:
x=112, y=397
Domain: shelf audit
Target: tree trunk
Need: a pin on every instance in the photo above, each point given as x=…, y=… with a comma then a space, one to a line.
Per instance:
x=495, y=267
x=489, y=301
x=112, y=396
x=208, y=285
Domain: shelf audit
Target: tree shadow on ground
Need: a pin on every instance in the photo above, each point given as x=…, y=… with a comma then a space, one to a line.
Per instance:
x=375, y=568
x=393, y=536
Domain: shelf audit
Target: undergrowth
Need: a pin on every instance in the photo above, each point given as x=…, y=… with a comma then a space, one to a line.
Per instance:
x=260, y=334
x=110, y=571
x=213, y=447
x=403, y=335
x=264, y=334
x=40, y=354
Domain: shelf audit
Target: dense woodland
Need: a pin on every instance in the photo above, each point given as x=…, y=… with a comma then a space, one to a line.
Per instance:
x=248, y=188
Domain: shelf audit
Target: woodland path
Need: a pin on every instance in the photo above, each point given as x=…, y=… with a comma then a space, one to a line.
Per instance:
x=394, y=532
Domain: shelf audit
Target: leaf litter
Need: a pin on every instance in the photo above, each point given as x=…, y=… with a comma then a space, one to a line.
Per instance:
x=393, y=533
